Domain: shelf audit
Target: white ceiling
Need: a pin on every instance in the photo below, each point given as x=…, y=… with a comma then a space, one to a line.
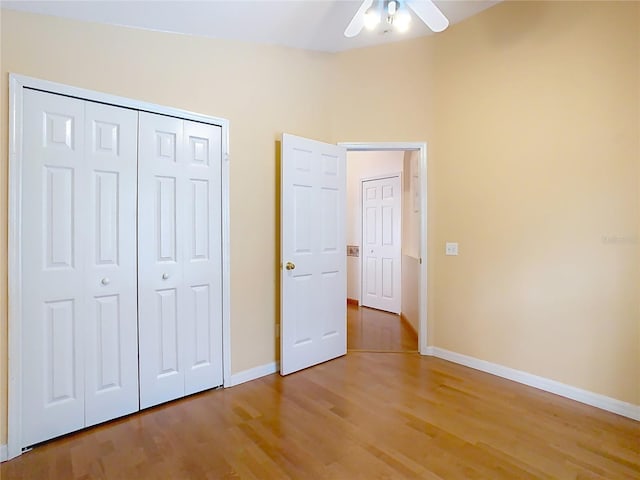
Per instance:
x=309, y=24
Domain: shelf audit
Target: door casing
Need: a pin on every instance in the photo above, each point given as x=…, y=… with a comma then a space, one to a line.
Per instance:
x=421, y=148
x=17, y=84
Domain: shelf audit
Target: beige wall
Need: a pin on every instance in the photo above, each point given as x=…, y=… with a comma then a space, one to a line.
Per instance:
x=411, y=204
x=411, y=240
x=531, y=112
x=410, y=292
x=536, y=155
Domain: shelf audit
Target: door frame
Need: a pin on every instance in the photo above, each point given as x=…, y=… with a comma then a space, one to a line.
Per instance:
x=421, y=148
x=361, y=218
x=17, y=85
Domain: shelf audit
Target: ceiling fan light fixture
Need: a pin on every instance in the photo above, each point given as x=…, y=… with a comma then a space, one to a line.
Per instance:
x=402, y=20
x=392, y=7
x=397, y=16
x=371, y=19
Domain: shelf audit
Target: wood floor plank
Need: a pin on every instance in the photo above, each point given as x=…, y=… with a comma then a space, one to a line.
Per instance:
x=362, y=416
x=370, y=330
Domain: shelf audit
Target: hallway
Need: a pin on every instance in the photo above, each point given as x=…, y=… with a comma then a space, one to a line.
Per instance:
x=377, y=331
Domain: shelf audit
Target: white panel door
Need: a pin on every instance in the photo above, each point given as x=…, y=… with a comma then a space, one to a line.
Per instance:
x=313, y=242
x=382, y=244
x=202, y=257
x=54, y=201
x=79, y=265
x=179, y=274
x=159, y=269
x=111, y=353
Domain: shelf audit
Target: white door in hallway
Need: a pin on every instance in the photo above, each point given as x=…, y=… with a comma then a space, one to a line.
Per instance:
x=179, y=258
x=313, y=253
x=79, y=347
x=382, y=244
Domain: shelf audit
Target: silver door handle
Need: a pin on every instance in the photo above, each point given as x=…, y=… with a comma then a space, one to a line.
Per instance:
x=165, y=276
x=105, y=281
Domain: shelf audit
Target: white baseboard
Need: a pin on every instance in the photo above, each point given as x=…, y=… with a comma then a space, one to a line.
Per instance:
x=3, y=453
x=253, y=373
x=584, y=396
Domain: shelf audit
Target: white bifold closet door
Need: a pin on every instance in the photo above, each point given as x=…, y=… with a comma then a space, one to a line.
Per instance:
x=78, y=236
x=179, y=255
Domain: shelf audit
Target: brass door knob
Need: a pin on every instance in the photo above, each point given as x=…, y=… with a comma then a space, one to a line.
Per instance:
x=290, y=266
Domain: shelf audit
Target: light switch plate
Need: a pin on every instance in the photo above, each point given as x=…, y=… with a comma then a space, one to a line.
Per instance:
x=451, y=248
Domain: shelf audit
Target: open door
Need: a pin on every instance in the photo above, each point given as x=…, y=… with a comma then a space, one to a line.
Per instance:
x=313, y=242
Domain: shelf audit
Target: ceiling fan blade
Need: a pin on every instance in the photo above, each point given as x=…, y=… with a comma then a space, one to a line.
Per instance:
x=357, y=22
x=430, y=14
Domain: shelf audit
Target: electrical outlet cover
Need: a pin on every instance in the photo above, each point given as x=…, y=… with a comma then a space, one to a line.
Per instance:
x=451, y=248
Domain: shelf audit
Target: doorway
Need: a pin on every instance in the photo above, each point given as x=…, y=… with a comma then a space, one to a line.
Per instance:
x=313, y=249
x=397, y=321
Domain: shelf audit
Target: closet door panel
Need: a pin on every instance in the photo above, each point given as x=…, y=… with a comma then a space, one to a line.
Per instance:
x=161, y=293
x=202, y=257
x=53, y=307
x=180, y=299
x=111, y=359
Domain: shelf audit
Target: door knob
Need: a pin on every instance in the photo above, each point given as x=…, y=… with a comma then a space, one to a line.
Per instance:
x=290, y=266
x=105, y=281
x=165, y=276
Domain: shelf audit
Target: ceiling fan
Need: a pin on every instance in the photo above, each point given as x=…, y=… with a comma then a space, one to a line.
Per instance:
x=396, y=14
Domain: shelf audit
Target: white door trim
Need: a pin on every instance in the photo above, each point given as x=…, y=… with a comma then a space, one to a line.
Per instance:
x=421, y=147
x=17, y=84
x=381, y=177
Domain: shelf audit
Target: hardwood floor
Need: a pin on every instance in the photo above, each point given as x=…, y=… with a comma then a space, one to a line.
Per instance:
x=362, y=416
x=377, y=331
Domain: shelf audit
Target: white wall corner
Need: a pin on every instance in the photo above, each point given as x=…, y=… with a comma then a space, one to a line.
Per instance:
x=584, y=396
x=3, y=453
x=253, y=373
